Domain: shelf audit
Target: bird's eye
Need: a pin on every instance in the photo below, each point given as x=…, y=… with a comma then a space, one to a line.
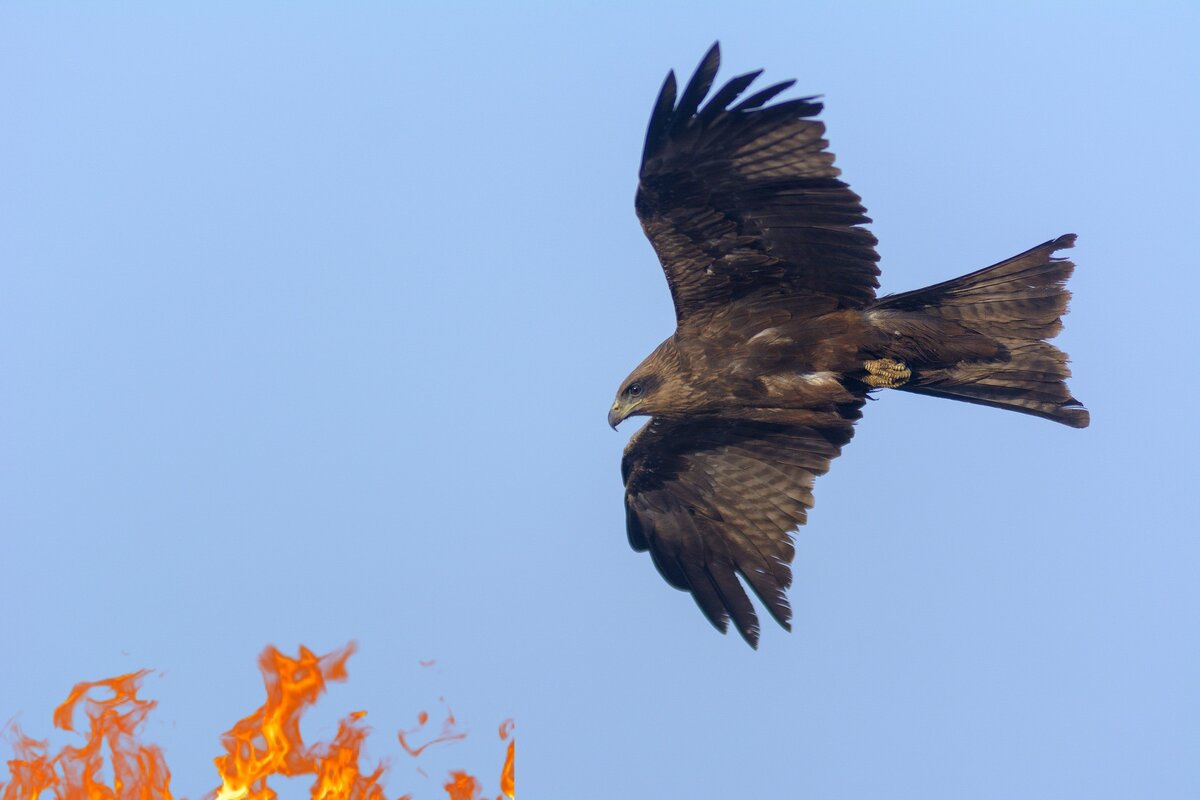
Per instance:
x=634, y=390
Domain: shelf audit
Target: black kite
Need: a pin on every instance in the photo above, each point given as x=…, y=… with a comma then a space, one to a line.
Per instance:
x=780, y=339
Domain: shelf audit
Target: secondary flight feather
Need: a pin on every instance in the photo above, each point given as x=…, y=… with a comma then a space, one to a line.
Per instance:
x=780, y=339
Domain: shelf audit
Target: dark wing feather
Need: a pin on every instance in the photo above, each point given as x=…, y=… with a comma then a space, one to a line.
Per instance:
x=697, y=88
x=765, y=96
x=713, y=499
x=744, y=200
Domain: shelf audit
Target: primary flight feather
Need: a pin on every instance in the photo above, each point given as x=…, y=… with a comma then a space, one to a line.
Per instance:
x=780, y=338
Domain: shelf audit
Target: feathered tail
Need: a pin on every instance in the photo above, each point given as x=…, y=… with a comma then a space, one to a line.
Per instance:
x=1017, y=305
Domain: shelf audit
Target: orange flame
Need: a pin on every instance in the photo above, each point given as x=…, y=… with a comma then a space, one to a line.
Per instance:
x=508, y=784
x=266, y=743
x=449, y=733
x=139, y=771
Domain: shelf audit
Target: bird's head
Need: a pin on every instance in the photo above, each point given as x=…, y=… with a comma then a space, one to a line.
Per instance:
x=633, y=398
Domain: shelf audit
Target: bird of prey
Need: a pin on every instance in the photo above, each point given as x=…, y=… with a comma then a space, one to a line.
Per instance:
x=780, y=339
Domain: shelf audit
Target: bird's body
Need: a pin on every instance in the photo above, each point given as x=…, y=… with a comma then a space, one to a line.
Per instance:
x=778, y=360
x=780, y=339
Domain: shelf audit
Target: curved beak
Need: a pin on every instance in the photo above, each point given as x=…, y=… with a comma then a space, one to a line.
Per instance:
x=615, y=415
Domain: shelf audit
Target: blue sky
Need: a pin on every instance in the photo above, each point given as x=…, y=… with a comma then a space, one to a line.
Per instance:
x=310, y=318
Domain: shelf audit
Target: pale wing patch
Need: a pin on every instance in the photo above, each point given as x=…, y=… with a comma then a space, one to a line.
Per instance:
x=790, y=384
x=771, y=336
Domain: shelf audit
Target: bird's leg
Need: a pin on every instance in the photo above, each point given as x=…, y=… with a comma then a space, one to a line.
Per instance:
x=886, y=373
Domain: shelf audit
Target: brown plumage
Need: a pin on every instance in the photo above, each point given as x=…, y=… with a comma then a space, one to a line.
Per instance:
x=780, y=339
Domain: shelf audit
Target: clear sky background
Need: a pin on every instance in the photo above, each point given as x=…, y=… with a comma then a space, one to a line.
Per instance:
x=310, y=319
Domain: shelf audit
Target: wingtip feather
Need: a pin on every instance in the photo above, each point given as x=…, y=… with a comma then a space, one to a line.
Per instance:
x=660, y=117
x=697, y=88
x=766, y=95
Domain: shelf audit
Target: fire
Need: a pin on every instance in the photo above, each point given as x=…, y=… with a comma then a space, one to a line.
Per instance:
x=508, y=783
x=268, y=741
x=264, y=744
x=138, y=771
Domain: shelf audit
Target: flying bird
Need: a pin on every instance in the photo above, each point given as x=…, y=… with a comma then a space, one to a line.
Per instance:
x=780, y=339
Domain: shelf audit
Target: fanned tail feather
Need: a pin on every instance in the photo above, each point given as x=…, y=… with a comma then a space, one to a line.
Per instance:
x=1018, y=304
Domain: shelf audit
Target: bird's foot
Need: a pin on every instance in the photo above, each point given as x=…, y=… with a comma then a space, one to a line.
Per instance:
x=886, y=373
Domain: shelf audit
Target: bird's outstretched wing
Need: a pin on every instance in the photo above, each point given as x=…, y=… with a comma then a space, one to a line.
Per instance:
x=743, y=200
x=711, y=499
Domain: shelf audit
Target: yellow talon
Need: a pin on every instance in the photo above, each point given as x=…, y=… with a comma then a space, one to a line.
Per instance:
x=886, y=373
